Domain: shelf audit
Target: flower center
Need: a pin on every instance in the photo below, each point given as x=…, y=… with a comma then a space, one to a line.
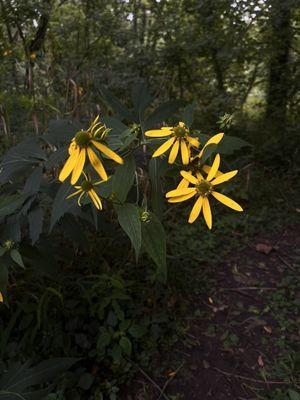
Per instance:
x=204, y=188
x=82, y=138
x=180, y=131
x=86, y=186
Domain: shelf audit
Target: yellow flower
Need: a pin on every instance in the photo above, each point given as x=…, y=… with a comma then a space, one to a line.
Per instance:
x=213, y=140
x=87, y=188
x=81, y=146
x=202, y=188
x=1, y=297
x=179, y=137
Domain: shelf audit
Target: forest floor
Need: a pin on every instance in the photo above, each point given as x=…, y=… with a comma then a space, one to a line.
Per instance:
x=242, y=337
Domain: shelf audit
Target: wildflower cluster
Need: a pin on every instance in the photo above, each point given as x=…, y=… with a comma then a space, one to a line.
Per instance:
x=199, y=180
x=88, y=144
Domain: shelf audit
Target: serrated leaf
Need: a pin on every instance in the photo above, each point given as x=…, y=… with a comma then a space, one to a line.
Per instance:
x=61, y=204
x=123, y=178
x=9, y=204
x=154, y=242
x=162, y=113
x=61, y=131
x=156, y=170
x=112, y=101
x=208, y=151
x=35, y=220
x=188, y=114
x=141, y=98
x=19, y=378
x=17, y=258
x=20, y=158
x=130, y=221
x=34, y=180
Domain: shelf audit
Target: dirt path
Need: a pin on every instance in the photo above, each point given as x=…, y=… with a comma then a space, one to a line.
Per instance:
x=240, y=329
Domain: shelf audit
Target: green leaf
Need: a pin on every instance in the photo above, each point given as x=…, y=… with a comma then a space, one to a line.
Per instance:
x=123, y=178
x=35, y=220
x=230, y=144
x=125, y=345
x=141, y=98
x=137, y=331
x=85, y=381
x=293, y=395
x=17, y=258
x=3, y=250
x=10, y=204
x=162, y=113
x=34, y=180
x=61, y=204
x=104, y=340
x=154, y=242
x=61, y=131
x=112, y=101
x=3, y=277
x=188, y=113
x=18, y=378
x=208, y=151
x=130, y=221
x=157, y=168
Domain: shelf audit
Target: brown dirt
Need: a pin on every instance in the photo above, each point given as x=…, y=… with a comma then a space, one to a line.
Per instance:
x=220, y=368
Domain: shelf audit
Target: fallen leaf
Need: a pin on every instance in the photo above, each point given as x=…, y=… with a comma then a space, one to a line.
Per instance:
x=263, y=248
x=260, y=361
x=268, y=329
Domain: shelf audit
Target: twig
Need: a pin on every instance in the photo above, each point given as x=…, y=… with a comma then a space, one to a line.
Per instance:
x=285, y=262
x=252, y=379
x=248, y=288
x=149, y=379
x=169, y=380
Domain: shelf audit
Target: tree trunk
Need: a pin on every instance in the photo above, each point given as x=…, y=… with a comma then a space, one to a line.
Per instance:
x=277, y=95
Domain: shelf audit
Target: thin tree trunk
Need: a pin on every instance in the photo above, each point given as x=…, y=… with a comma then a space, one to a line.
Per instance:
x=277, y=94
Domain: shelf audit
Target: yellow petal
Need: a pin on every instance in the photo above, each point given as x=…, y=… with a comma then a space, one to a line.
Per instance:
x=108, y=152
x=199, y=176
x=207, y=212
x=159, y=132
x=179, y=199
x=164, y=147
x=180, y=192
x=224, y=177
x=189, y=177
x=78, y=167
x=193, y=141
x=181, y=124
x=95, y=198
x=227, y=201
x=174, y=152
x=74, y=194
x=183, y=184
x=207, y=168
x=196, y=210
x=97, y=164
x=1, y=298
x=214, y=168
x=69, y=165
x=72, y=147
x=213, y=140
x=185, y=153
